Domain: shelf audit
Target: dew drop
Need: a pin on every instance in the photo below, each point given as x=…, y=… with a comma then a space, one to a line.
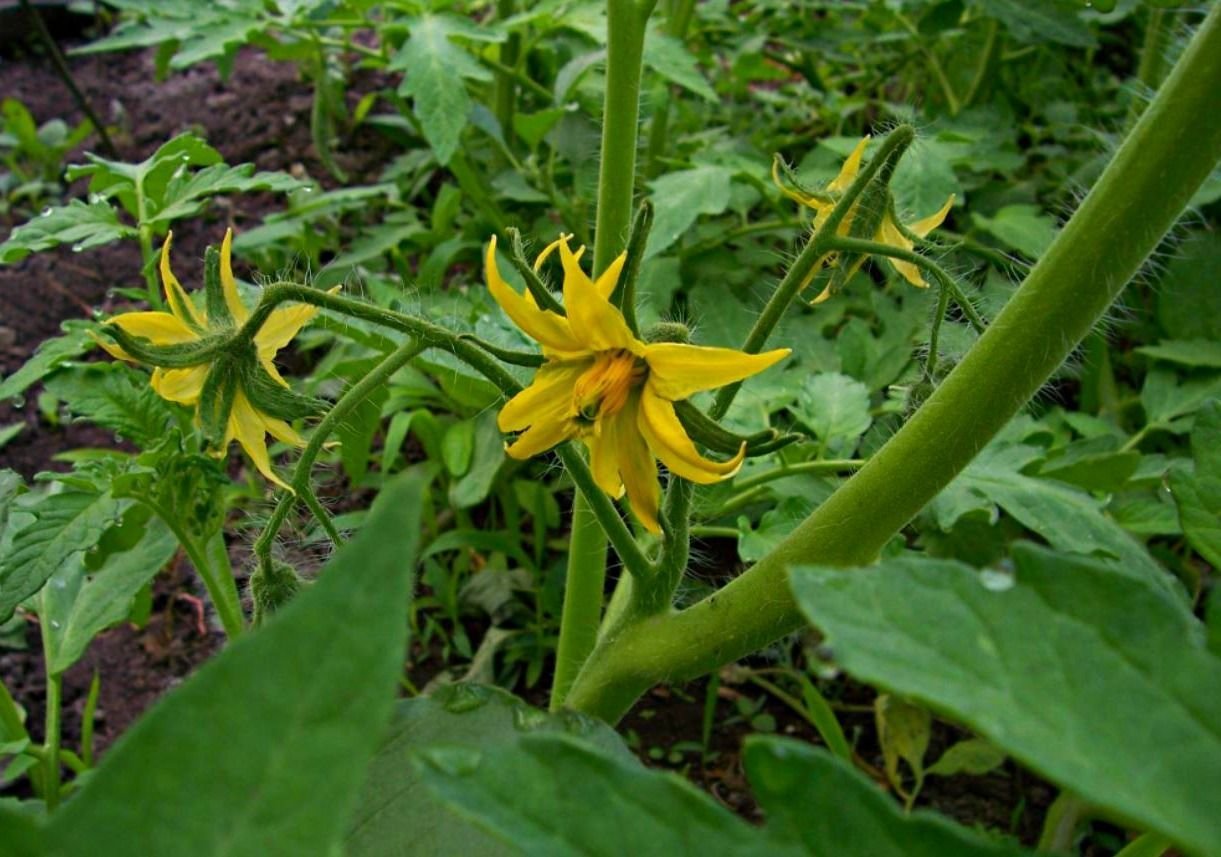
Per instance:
x=17, y=402
x=996, y=581
x=76, y=248
x=55, y=624
x=46, y=212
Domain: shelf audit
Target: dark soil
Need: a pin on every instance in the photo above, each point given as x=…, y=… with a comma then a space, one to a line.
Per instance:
x=261, y=115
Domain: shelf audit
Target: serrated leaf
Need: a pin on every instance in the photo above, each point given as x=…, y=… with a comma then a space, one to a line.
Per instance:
x=79, y=604
x=81, y=224
x=51, y=354
x=1198, y=494
x=264, y=750
x=836, y=409
x=434, y=70
x=1087, y=675
x=670, y=58
x=1024, y=228
x=114, y=396
x=66, y=524
x=679, y=198
x=1057, y=21
x=466, y=716
x=183, y=197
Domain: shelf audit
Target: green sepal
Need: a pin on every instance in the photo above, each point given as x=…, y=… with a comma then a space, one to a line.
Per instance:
x=216, y=398
x=668, y=331
x=790, y=178
x=272, y=398
x=506, y=355
x=704, y=430
x=214, y=294
x=534, y=283
x=178, y=356
x=624, y=295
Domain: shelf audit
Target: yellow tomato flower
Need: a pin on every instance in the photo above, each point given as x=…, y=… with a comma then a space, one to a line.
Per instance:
x=611, y=390
x=888, y=231
x=186, y=323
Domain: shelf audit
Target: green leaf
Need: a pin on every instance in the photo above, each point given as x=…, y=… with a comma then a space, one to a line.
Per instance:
x=1087, y=675
x=21, y=833
x=924, y=180
x=488, y=453
x=833, y=810
x=66, y=524
x=395, y=802
x=434, y=70
x=117, y=397
x=670, y=58
x=1025, y=228
x=78, y=604
x=1165, y=398
x=679, y=198
x=836, y=408
x=184, y=196
x=264, y=750
x=7, y=433
x=536, y=794
x=1057, y=21
x=1067, y=518
x=973, y=756
x=81, y=224
x=1188, y=300
x=1205, y=353
x=1198, y=494
x=51, y=354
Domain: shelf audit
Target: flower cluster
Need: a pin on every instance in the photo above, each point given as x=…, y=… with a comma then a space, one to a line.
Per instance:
x=616, y=393
x=203, y=357
x=888, y=230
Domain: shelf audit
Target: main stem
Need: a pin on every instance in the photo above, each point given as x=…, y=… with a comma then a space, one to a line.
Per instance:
x=1171, y=151
x=626, y=20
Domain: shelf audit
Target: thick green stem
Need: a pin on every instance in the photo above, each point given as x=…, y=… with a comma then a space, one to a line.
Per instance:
x=50, y=773
x=1171, y=151
x=626, y=20
x=506, y=84
x=582, y=603
x=211, y=561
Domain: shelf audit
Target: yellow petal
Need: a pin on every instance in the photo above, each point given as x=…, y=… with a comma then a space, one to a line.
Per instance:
x=604, y=449
x=247, y=427
x=548, y=329
x=548, y=397
x=926, y=225
x=175, y=296
x=792, y=193
x=608, y=279
x=281, y=326
x=541, y=437
x=228, y=284
x=638, y=470
x=110, y=348
x=548, y=250
x=679, y=371
x=888, y=233
x=282, y=431
x=270, y=369
x=593, y=319
x=668, y=440
x=159, y=328
x=180, y=385
x=847, y=173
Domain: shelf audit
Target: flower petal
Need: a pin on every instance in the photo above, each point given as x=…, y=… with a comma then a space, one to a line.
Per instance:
x=233, y=300
x=180, y=385
x=593, y=319
x=847, y=173
x=282, y=431
x=604, y=447
x=608, y=279
x=926, y=225
x=679, y=371
x=638, y=469
x=549, y=396
x=281, y=326
x=246, y=426
x=175, y=296
x=548, y=329
x=888, y=233
x=548, y=250
x=668, y=440
x=159, y=328
x=541, y=437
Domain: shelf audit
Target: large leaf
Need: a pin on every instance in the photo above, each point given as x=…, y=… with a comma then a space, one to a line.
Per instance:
x=670, y=58
x=679, y=198
x=1198, y=494
x=51, y=354
x=117, y=397
x=81, y=224
x=1087, y=675
x=1042, y=21
x=79, y=603
x=263, y=751
x=834, y=810
x=434, y=70
x=398, y=815
x=65, y=525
